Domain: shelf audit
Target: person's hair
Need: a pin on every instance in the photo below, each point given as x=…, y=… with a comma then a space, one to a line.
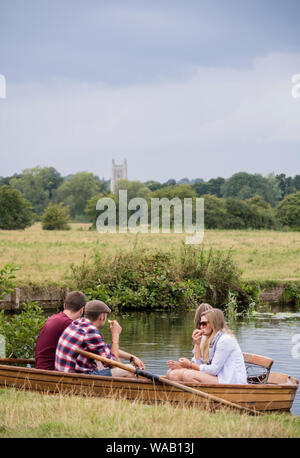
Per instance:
x=201, y=309
x=216, y=319
x=74, y=301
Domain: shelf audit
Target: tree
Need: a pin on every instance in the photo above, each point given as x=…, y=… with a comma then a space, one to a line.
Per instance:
x=215, y=214
x=288, y=211
x=56, y=217
x=133, y=188
x=15, y=210
x=244, y=185
x=76, y=191
x=37, y=185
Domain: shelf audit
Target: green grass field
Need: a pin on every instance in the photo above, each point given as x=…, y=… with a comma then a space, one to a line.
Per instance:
x=26, y=414
x=45, y=257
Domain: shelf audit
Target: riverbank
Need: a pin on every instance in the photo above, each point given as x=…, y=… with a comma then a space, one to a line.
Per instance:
x=26, y=414
x=45, y=257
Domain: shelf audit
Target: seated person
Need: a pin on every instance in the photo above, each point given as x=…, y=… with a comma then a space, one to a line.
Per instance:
x=84, y=334
x=221, y=359
x=52, y=329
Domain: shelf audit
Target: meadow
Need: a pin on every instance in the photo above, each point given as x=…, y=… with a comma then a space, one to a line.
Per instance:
x=26, y=414
x=44, y=257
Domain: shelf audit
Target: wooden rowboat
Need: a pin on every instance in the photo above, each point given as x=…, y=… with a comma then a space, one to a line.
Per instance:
x=276, y=395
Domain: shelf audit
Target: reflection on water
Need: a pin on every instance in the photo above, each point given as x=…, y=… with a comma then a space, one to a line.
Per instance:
x=159, y=336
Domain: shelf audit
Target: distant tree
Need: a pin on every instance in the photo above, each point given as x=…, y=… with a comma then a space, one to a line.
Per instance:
x=215, y=213
x=153, y=185
x=296, y=182
x=90, y=210
x=265, y=214
x=15, y=210
x=182, y=191
x=37, y=185
x=56, y=218
x=133, y=188
x=76, y=191
x=201, y=188
x=244, y=185
x=240, y=215
x=288, y=211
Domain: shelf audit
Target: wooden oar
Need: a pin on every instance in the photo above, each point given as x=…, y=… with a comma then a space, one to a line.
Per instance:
x=165, y=381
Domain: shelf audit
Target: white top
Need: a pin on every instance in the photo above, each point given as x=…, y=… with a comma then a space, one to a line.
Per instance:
x=228, y=362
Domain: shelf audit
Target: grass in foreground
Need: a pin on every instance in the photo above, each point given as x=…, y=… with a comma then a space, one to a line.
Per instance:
x=26, y=414
x=45, y=256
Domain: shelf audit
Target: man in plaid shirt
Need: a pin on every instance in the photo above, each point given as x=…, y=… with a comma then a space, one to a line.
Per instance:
x=83, y=333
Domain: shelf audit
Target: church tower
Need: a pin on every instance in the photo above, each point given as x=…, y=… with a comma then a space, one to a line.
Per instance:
x=118, y=172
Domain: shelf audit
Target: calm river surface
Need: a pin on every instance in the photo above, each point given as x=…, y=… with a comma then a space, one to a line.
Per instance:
x=157, y=337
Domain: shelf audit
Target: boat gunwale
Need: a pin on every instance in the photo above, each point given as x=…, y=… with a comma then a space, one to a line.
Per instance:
x=125, y=380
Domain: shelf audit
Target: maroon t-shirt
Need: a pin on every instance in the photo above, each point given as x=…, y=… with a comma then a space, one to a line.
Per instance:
x=47, y=341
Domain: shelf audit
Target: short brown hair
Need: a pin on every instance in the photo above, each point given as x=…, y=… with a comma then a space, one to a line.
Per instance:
x=74, y=301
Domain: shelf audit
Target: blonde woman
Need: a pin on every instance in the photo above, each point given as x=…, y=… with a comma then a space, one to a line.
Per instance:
x=198, y=339
x=220, y=355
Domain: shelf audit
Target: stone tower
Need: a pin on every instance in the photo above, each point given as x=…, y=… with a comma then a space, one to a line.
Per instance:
x=118, y=172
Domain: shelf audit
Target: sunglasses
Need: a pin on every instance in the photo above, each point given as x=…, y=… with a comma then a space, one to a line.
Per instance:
x=203, y=324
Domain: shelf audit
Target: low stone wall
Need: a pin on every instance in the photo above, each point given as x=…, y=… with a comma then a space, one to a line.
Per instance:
x=52, y=298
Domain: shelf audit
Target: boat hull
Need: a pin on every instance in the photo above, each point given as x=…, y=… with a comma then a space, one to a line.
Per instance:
x=274, y=396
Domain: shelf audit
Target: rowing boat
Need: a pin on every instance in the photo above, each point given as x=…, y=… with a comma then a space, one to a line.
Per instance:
x=276, y=395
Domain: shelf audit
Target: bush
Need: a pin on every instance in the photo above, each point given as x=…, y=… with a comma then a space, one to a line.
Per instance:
x=156, y=279
x=56, y=217
x=22, y=330
x=7, y=277
x=15, y=210
x=288, y=211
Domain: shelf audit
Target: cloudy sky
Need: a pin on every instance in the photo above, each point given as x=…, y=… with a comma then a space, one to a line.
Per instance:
x=194, y=88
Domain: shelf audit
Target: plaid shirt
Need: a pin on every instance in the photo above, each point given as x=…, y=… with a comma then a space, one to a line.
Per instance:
x=83, y=334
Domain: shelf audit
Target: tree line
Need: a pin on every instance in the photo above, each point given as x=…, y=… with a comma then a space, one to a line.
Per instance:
x=242, y=201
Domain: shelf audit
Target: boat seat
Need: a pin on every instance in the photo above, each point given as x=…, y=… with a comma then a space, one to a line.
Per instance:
x=258, y=368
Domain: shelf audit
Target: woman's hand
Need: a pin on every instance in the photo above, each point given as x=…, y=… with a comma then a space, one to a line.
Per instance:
x=196, y=336
x=173, y=364
x=185, y=363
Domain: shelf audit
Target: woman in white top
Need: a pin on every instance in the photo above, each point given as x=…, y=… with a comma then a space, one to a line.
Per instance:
x=220, y=359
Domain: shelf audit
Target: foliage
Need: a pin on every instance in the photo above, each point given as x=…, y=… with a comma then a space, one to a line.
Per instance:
x=38, y=186
x=7, y=277
x=231, y=308
x=15, y=210
x=156, y=279
x=56, y=217
x=21, y=331
x=288, y=211
x=244, y=185
x=76, y=191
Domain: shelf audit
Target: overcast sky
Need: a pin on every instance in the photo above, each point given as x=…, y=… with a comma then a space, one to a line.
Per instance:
x=194, y=88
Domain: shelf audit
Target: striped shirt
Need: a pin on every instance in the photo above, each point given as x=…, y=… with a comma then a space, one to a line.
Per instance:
x=82, y=334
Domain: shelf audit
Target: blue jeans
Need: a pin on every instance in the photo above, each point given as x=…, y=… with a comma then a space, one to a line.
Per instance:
x=104, y=372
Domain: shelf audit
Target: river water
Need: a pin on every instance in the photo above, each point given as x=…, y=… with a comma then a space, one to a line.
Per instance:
x=158, y=336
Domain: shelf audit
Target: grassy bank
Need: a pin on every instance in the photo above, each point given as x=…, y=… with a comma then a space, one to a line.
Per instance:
x=45, y=256
x=25, y=414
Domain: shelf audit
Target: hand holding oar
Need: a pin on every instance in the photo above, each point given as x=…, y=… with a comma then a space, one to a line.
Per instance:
x=165, y=381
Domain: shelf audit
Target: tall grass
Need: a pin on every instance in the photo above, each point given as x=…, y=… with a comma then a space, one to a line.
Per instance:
x=26, y=414
x=147, y=279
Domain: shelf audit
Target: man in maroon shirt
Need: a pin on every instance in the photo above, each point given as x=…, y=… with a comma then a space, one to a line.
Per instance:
x=53, y=328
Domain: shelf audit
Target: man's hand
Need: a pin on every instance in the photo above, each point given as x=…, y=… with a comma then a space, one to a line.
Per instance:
x=138, y=363
x=115, y=328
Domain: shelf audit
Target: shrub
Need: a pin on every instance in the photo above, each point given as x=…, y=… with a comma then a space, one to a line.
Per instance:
x=288, y=211
x=157, y=279
x=22, y=330
x=15, y=210
x=56, y=217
